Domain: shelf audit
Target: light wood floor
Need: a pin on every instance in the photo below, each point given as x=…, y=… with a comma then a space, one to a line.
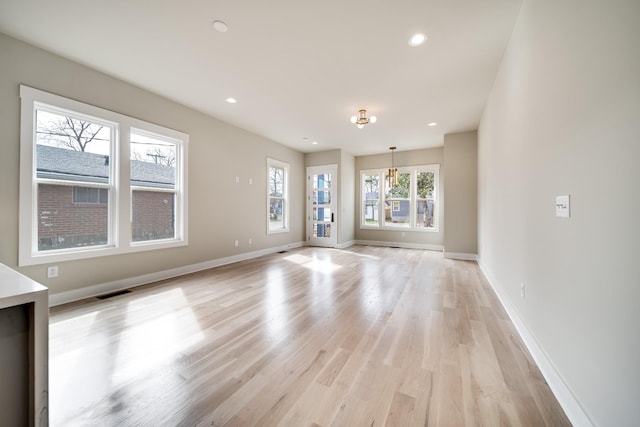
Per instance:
x=365, y=336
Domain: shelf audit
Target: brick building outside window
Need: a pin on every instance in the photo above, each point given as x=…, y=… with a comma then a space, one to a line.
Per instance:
x=77, y=215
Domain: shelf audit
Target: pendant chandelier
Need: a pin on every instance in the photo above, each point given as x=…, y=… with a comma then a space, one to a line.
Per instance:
x=392, y=173
x=361, y=119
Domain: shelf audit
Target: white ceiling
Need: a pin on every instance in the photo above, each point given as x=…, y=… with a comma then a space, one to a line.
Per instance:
x=298, y=68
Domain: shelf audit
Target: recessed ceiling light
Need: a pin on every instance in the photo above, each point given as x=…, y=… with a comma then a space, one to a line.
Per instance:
x=314, y=143
x=417, y=39
x=231, y=100
x=220, y=26
x=432, y=124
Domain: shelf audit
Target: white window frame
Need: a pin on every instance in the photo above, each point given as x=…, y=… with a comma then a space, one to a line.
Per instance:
x=382, y=224
x=273, y=163
x=119, y=223
x=363, y=200
x=173, y=191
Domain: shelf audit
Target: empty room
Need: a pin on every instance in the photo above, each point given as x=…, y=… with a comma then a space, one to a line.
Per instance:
x=319, y=214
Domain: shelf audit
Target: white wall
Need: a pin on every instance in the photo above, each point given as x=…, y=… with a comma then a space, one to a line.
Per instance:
x=564, y=118
x=220, y=211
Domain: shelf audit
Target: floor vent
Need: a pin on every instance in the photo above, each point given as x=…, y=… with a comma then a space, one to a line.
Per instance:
x=113, y=294
x=283, y=252
x=394, y=247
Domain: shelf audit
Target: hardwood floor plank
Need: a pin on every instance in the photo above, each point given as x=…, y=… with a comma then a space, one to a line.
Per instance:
x=401, y=412
x=333, y=368
x=363, y=336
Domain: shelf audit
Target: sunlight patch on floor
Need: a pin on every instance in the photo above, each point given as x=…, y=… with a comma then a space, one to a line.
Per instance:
x=156, y=341
x=319, y=265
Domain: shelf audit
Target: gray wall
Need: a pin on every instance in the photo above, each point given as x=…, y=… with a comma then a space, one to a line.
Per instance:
x=347, y=200
x=461, y=201
x=220, y=211
x=402, y=158
x=563, y=117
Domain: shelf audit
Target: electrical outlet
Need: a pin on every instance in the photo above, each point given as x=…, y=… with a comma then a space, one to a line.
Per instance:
x=237, y=243
x=52, y=271
x=250, y=241
x=522, y=294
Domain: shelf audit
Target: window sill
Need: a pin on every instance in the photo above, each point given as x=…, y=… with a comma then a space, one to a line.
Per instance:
x=74, y=254
x=286, y=230
x=387, y=228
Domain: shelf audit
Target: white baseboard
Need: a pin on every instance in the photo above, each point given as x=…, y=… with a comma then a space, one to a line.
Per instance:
x=562, y=392
x=460, y=255
x=438, y=248
x=118, y=285
x=346, y=244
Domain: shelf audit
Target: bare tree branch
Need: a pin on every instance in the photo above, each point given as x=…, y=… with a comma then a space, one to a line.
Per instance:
x=68, y=132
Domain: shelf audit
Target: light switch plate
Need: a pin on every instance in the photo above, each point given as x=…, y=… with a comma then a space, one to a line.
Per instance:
x=562, y=206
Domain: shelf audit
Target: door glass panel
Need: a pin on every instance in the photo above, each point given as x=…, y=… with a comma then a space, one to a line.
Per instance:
x=322, y=214
x=321, y=230
x=322, y=180
x=321, y=197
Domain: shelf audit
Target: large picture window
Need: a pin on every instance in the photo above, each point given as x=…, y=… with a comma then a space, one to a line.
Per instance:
x=277, y=201
x=409, y=203
x=76, y=199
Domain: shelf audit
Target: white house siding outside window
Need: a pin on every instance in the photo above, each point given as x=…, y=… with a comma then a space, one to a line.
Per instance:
x=94, y=182
x=278, y=196
x=410, y=204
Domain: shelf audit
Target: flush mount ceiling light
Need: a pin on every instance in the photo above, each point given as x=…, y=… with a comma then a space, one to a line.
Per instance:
x=432, y=124
x=417, y=39
x=361, y=119
x=232, y=100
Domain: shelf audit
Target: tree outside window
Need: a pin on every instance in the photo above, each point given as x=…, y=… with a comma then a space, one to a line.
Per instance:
x=425, y=199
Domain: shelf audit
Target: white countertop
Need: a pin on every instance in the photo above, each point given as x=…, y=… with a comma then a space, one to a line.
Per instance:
x=16, y=288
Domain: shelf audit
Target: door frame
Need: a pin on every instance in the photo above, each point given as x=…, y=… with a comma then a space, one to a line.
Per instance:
x=332, y=241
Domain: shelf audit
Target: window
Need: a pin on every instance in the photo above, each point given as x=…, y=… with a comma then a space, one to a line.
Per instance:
x=153, y=186
x=370, y=185
x=410, y=204
x=425, y=199
x=90, y=195
x=76, y=200
x=397, y=201
x=277, y=203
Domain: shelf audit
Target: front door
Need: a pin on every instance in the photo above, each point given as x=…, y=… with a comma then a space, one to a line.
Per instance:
x=322, y=194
